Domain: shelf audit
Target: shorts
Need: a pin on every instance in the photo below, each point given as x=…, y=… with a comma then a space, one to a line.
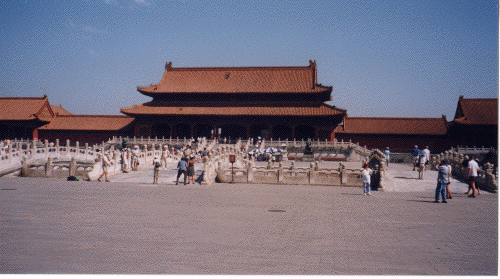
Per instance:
x=104, y=167
x=472, y=178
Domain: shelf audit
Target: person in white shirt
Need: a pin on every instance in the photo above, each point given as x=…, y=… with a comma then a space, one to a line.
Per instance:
x=472, y=176
x=422, y=161
x=427, y=154
x=164, y=155
x=448, y=191
x=365, y=176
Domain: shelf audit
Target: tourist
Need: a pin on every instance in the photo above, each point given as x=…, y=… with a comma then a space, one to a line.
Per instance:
x=387, y=154
x=190, y=169
x=473, y=168
x=442, y=180
x=105, y=164
x=182, y=165
x=365, y=175
x=422, y=161
x=427, y=154
x=415, y=153
x=156, y=171
x=187, y=151
x=164, y=155
x=135, y=158
x=448, y=191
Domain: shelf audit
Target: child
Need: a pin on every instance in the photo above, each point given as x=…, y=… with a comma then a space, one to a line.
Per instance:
x=365, y=175
x=157, y=165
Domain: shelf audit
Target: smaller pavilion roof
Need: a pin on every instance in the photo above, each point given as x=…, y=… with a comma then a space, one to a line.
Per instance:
x=477, y=111
x=393, y=126
x=24, y=109
x=323, y=110
x=88, y=122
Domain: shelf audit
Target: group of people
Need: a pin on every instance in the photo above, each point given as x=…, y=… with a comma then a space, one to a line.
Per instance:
x=421, y=160
x=444, y=179
x=186, y=165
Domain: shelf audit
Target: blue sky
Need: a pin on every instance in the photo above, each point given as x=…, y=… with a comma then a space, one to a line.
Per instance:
x=392, y=58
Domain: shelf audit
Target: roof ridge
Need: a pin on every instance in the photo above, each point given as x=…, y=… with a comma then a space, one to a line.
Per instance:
x=394, y=118
x=94, y=115
x=246, y=68
x=22, y=98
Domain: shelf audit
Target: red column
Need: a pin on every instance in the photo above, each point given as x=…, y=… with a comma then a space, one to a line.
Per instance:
x=35, y=133
x=332, y=135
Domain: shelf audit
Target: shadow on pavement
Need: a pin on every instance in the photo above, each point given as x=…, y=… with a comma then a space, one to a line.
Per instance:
x=402, y=177
x=432, y=201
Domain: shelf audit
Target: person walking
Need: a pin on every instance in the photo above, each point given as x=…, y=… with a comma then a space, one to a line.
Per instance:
x=427, y=154
x=190, y=169
x=105, y=164
x=135, y=158
x=448, y=191
x=421, y=165
x=156, y=170
x=387, y=154
x=164, y=155
x=182, y=165
x=365, y=176
x=415, y=153
x=473, y=168
x=442, y=180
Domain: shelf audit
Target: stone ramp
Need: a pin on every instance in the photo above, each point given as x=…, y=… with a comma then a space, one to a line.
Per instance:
x=144, y=175
x=402, y=178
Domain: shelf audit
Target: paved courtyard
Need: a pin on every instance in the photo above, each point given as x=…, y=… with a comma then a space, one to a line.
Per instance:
x=130, y=226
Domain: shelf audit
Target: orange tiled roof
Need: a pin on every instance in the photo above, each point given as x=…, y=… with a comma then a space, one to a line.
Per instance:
x=237, y=80
x=58, y=110
x=25, y=109
x=88, y=122
x=477, y=111
x=323, y=110
x=394, y=126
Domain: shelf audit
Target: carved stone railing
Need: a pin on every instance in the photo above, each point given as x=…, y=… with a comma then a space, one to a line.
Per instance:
x=19, y=151
x=313, y=175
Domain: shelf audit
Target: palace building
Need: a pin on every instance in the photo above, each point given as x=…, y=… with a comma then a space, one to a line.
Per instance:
x=237, y=102
x=249, y=102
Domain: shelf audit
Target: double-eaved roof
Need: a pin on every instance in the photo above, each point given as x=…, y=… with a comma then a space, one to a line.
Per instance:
x=237, y=80
x=393, y=126
x=477, y=111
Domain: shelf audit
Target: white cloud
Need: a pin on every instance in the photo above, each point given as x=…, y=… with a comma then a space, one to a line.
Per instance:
x=122, y=3
x=87, y=29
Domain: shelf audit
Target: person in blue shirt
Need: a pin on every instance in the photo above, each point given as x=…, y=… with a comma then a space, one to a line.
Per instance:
x=387, y=154
x=442, y=181
x=182, y=165
x=415, y=153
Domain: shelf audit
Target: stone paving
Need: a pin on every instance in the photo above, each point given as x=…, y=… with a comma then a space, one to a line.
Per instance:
x=131, y=226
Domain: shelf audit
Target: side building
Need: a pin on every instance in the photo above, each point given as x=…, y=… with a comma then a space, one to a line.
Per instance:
x=475, y=123
x=399, y=134
x=237, y=102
